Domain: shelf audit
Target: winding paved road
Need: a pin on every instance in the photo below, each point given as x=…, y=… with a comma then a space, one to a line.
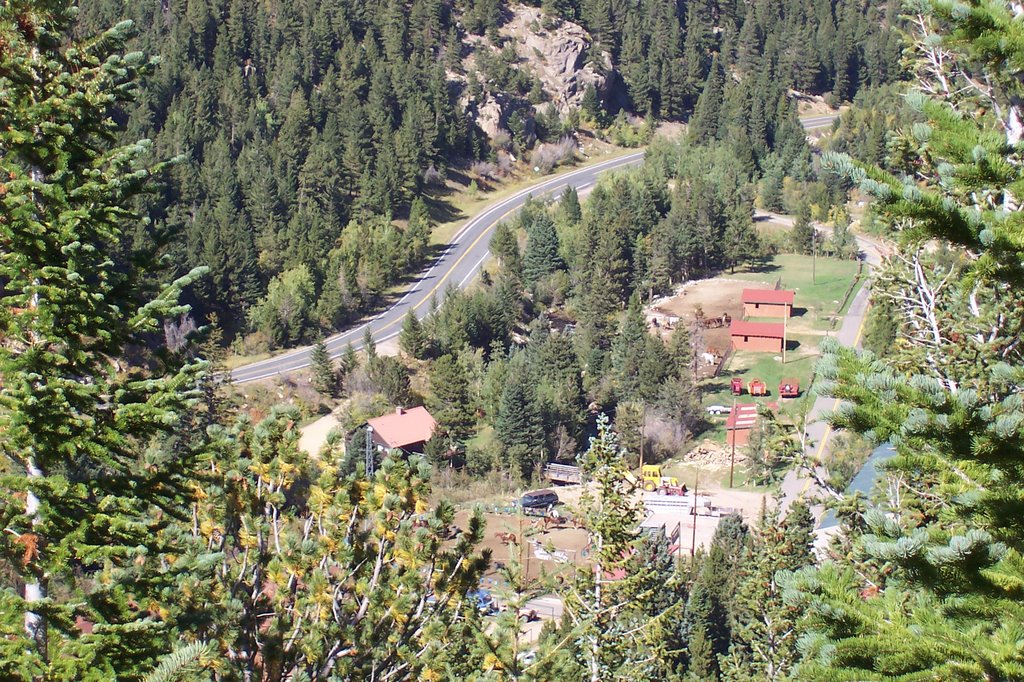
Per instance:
x=457, y=265
x=794, y=484
x=816, y=122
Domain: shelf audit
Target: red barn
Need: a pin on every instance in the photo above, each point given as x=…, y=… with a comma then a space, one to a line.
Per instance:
x=758, y=336
x=768, y=302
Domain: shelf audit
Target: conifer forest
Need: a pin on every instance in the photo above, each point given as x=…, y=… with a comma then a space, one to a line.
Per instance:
x=574, y=340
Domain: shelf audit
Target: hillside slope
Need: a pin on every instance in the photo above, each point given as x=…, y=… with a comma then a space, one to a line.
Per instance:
x=307, y=128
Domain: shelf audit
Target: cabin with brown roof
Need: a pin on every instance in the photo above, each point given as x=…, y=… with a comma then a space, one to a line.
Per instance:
x=765, y=337
x=403, y=429
x=768, y=302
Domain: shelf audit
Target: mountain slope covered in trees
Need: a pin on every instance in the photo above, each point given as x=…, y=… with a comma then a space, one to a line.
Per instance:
x=304, y=129
x=154, y=532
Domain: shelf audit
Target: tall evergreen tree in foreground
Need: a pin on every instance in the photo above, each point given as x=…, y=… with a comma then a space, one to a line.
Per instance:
x=317, y=575
x=933, y=589
x=96, y=451
x=621, y=611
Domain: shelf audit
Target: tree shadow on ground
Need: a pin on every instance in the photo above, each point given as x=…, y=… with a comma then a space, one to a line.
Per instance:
x=442, y=210
x=762, y=267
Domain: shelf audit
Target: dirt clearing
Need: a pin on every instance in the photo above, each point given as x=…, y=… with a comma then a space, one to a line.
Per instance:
x=717, y=296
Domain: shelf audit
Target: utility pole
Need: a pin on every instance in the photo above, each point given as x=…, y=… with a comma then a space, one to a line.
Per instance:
x=814, y=253
x=693, y=507
x=732, y=459
x=643, y=422
x=787, y=309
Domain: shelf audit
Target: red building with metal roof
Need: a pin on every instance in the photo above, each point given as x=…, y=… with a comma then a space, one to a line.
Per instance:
x=757, y=336
x=768, y=302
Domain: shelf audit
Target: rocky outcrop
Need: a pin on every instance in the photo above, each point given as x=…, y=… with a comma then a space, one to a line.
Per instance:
x=490, y=115
x=557, y=56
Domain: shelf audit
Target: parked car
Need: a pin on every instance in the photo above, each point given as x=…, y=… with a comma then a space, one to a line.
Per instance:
x=719, y=409
x=538, y=499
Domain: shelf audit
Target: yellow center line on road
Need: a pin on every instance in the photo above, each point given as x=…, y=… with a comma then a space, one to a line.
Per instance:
x=828, y=427
x=450, y=270
x=500, y=219
x=542, y=188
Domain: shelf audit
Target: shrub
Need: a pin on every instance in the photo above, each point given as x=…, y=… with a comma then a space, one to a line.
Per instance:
x=547, y=157
x=432, y=177
x=484, y=169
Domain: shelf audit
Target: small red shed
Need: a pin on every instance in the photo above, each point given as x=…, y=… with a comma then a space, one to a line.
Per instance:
x=740, y=423
x=758, y=336
x=768, y=302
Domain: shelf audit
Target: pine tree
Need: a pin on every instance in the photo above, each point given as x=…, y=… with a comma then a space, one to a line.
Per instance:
x=771, y=184
x=704, y=124
x=369, y=345
x=569, y=206
x=933, y=566
x=349, y=360
x=417, y=234
x=629, y=349
x=325, y=376
x=742, y=243
x=505, y=246
x=591, y=106
x=541, y=257
x=764, y=641
x=391, y=378
x=314, y=574
x=619, y=626
x=706, y=619
x=680, y=351
x=518, y=424
x=450, y=400
x=802, y=237
x=96, y=421
x=413, y=338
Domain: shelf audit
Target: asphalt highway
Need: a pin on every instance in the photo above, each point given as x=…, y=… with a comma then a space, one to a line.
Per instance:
x=796, y=484
x=815, y=122
x=457, y=265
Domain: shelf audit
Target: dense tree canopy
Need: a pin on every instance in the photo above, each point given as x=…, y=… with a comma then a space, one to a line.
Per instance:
x=308, y=129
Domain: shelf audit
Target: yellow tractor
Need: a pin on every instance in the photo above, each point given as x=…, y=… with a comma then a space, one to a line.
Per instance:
x=652, y=478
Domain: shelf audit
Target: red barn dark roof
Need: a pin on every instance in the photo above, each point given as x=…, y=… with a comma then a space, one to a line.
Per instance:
x=771, y=330
x=771, y=296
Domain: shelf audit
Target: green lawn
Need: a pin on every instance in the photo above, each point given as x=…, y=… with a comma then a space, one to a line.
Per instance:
x=748, y=365
x=814, y=307
x=816, y=301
